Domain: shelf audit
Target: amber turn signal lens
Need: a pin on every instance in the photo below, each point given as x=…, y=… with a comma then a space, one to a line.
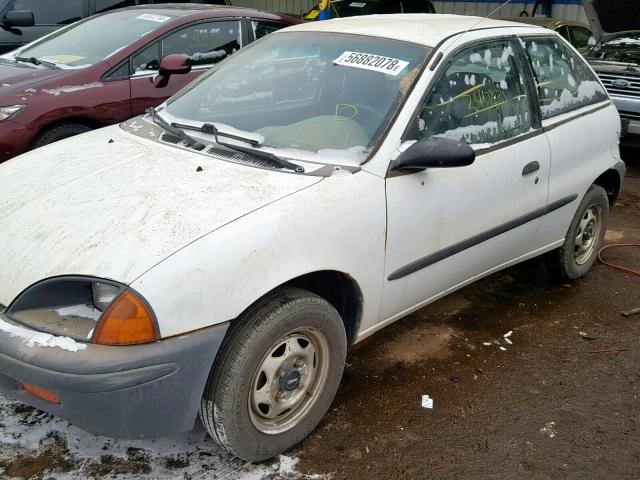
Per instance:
x=126, y=322
x=45, y=395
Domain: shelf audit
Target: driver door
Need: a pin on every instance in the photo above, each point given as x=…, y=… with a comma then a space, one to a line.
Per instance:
x=448, y=226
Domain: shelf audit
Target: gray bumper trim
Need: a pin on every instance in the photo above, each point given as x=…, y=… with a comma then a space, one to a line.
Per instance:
x=140, y=391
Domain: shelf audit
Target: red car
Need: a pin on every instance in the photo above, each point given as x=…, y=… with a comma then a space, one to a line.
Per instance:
x=107, y=68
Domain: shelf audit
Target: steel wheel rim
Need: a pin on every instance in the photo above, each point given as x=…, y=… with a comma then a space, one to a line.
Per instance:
x=289, y=380
x=589, y=230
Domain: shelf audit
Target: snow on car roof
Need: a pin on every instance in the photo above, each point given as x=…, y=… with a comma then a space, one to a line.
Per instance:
x=425, y=29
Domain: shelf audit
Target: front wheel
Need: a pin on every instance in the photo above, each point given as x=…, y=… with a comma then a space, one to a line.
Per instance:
x=276, y=374
x=59, y=132
x=585, y=236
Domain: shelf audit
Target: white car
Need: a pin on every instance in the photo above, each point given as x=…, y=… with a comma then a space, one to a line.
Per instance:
x=219, y=254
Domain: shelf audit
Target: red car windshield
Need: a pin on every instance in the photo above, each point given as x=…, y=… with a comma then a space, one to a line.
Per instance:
x=80, y=46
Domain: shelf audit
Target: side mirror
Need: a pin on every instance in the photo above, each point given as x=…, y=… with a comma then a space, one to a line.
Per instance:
x=435, y=152
x=175, y=64
x=19, y=18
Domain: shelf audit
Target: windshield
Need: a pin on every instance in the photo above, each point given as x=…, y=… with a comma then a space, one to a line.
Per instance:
x=80, y=46
x=306, y=91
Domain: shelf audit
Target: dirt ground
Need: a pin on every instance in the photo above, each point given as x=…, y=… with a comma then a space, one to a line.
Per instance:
x=552, y=404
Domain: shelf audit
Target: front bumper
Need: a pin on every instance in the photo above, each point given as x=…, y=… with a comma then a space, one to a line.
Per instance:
x=629, y=109
x=14, y=139
x=140, y=391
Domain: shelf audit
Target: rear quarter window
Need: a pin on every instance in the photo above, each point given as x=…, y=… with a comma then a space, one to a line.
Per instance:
x=564, y=81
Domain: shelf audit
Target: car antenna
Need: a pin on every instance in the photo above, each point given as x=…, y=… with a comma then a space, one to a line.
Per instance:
x=487, y=16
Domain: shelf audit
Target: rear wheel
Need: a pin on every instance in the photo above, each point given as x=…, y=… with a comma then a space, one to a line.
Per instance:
x=584, y=237
x=59, y=132
x=276, y=374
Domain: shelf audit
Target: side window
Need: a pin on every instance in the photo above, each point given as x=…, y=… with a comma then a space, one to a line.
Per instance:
x=481, y=97
x=52, y=12
x=105, y=5
x=564, y=32
x=206, y=43
x=121, y=73
x=146, y=60
x=389, y=6
x=262, y=28
x=565, y=83
x=417, y=6
x=581, y=37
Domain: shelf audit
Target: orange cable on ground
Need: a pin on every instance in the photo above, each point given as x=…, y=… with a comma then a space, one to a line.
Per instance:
x=613, y=265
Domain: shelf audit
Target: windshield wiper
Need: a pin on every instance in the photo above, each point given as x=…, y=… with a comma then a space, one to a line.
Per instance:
x=175, y=131
x=35, y=61
x=211, y=129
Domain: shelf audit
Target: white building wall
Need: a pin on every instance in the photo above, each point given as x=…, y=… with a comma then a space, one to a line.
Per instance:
x=561, y=11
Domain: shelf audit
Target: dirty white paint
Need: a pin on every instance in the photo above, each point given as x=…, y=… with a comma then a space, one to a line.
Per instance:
x=145, y=201
x=71, y=88
x=32, y=338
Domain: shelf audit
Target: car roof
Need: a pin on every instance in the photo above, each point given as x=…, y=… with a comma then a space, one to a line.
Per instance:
x=423, y=28
x=196, y=10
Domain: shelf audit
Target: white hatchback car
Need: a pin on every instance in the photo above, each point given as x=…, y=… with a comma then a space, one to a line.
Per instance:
x=219, y=254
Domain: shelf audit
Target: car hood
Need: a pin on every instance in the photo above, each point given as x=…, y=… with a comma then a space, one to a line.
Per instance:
x=621, y=67
x=609, y=18
x=113, y=205
x=14, y=77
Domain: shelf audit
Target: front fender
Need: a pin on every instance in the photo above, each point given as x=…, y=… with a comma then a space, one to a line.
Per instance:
x=337, y=224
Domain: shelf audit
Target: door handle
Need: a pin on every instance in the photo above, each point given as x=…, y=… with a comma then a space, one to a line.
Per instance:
x=530, y=168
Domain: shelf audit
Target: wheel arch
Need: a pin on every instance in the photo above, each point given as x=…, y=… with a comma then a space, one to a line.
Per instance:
x=611, y=181
x=339, y=289
x=81, y=120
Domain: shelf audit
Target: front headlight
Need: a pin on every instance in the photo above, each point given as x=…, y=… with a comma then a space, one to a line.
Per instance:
x=7, y=112
x=87, y=310
x=104, y=294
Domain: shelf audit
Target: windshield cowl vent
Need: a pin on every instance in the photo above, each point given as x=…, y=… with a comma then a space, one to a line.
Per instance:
x=237, y=157
x=172, y=139
x=223, y=154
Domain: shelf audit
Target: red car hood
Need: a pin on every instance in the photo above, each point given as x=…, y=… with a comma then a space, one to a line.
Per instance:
x=18, y=78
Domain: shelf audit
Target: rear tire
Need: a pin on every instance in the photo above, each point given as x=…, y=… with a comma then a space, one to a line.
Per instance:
x=60, y=132
x=276, y=374
x=584, y=238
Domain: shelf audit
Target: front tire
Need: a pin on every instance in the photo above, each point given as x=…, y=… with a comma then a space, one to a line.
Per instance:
x=58, y=133
x=276, y=374
x=584, y=238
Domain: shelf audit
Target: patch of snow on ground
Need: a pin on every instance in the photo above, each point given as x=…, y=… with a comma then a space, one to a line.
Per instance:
x=26, y=432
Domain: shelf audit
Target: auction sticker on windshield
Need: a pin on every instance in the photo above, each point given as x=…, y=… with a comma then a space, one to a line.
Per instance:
x=368, y=61
x=153, y=18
